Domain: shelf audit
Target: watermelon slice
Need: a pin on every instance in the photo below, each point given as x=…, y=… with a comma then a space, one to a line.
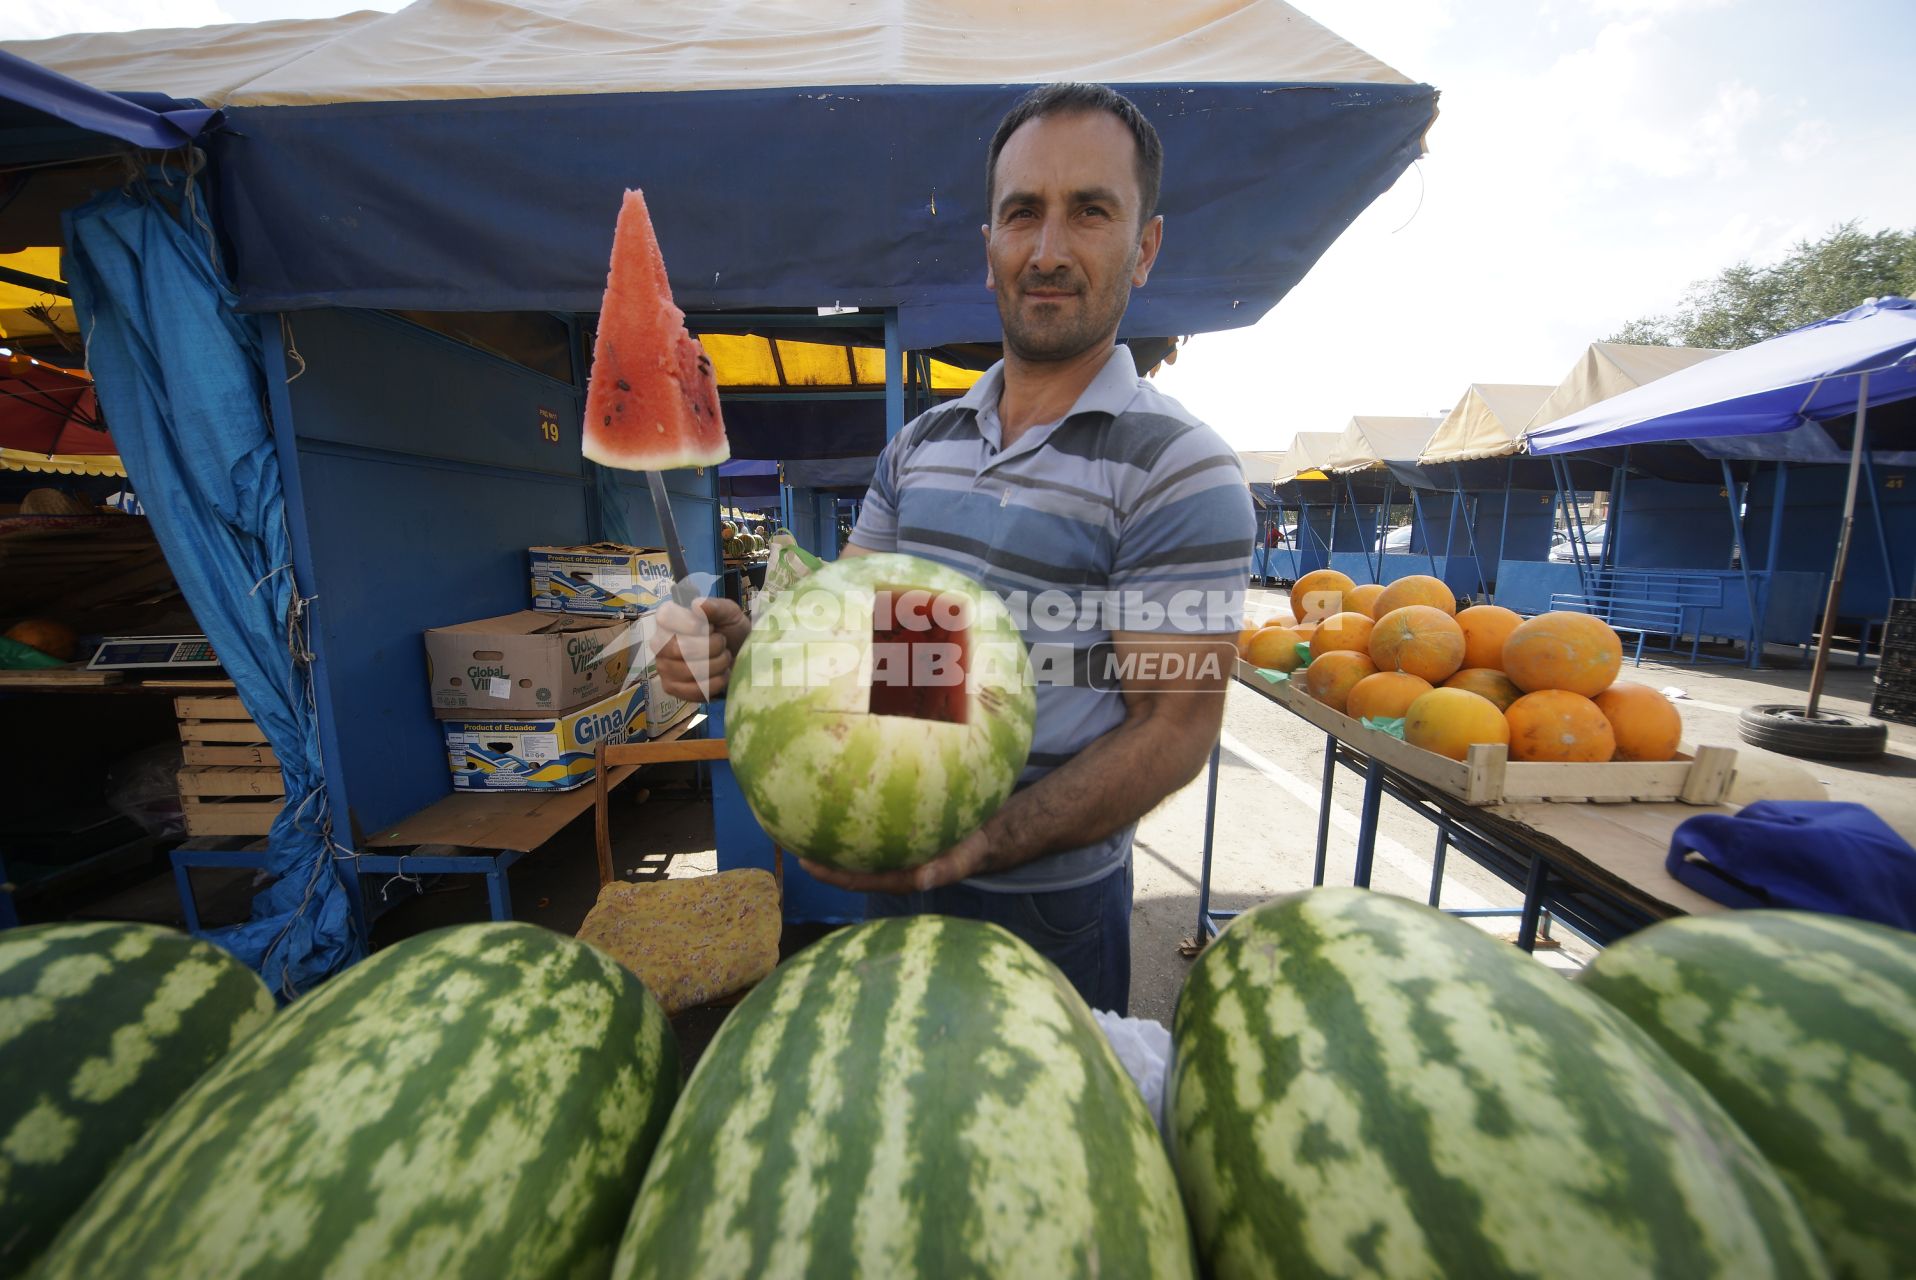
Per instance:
x=652, y=404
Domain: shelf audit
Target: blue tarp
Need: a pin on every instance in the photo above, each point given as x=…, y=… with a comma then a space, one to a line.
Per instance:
x=1812, y=374
x=143, y=119
x=179, y=376
x=777, y=198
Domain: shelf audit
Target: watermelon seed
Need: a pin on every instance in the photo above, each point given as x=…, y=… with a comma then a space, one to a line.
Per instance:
x=623, y=385
x=608, y=419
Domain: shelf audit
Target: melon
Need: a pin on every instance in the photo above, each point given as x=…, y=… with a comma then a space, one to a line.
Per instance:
x=1486, y=682
x=1363, y=599
x=1342, y=631
x=1450, y=722
x=1559, y=727
x=1417, y=588
x=652, y=403
x=1274, y=649
x=1647, y=726
x=1387, y=695
x=1564, y=650
x=1420, y=639
x=55, y=639
x=1319, y=594
x=881, y=709
x=1331, y=677
x=1486, y=627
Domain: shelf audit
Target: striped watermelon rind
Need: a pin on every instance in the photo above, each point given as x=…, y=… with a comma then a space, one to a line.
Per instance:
x=872, y=792
x=1804, y=1028
x=102, y=1026
x=922, y=1096
x=1361, y=1085
x=477, y=1102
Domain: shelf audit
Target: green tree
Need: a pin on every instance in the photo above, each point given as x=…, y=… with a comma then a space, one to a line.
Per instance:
x=1746, y=303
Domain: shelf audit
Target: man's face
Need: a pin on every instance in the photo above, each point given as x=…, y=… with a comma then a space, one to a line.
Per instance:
x=1064, y=249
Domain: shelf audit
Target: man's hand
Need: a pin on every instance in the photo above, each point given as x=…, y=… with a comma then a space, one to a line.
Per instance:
x=969, y=857
x=695, y=648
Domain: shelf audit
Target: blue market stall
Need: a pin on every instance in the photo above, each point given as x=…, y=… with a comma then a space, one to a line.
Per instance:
x=1471, y=461
x=1361, y=464
x=415, y=312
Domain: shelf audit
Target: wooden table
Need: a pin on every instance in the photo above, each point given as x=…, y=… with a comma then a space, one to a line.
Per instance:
x=1598, y=867
x=484, y=833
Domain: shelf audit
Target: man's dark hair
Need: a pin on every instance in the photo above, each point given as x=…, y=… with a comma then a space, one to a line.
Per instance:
x=1064, y=98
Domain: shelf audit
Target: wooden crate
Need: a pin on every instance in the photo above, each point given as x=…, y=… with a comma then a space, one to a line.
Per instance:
x=1489, y=776
x=231, y=785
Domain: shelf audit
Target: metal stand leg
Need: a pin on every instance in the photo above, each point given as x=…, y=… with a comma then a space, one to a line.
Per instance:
x=1324, y=809
x=189, y=909
x=1532, y=904
x=1437, y=860
x=1210, y=823
x=499, y=894
x=1367, y=822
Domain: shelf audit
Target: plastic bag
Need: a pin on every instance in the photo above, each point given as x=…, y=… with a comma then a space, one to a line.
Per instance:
x=145, y=787
x=1144, y=1048
x=788, y=564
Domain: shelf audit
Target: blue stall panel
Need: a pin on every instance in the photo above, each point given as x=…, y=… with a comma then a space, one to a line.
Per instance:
x=1662, y=524
x=426, y=468
x=1812, y=518
x=693, y=493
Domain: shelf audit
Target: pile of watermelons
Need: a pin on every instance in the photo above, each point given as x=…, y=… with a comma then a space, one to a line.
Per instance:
x=1361, y=1086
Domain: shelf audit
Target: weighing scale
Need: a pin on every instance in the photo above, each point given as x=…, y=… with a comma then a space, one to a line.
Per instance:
x=143, y=653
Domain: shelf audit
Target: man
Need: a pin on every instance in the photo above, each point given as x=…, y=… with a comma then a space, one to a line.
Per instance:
x=1061, y=472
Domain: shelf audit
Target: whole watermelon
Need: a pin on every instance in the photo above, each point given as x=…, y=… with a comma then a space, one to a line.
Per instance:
x=1804, y=1028
x=102, y=1026
x=854, y=744
x=475, y=1102
x=909, y=1097
x=1362, y=1085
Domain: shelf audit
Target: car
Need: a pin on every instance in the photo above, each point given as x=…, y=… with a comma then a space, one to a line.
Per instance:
x=1397, y=540
x=1566, y=550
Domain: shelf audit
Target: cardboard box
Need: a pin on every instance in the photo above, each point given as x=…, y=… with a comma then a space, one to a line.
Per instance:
x=605, y=579
x=549, y=754
x=662, y=710
x=525, y=663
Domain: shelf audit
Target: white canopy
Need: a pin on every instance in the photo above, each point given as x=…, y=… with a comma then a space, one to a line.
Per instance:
x=1306, y=456
x=1611, y=368
x=1371, y=442
x=456, y=49
x=1260, y=467
x=1488, y=422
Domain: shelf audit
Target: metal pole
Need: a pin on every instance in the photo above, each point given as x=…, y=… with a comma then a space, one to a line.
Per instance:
x=894, y=375
x=1821, y=665
x=1503, y=532
x=1210, y=823
x=1613, y=525
x=1324, y=809
x=1876, y=516
x=1383, y=525
x=1423, y=527
x=1742, y=559
x=1776, y=544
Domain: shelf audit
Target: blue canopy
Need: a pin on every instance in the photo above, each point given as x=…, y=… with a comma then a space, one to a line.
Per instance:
x=142, y=119
x=1812, y=374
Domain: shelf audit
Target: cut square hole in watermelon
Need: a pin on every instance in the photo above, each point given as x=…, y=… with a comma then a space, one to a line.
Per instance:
x=920, y=648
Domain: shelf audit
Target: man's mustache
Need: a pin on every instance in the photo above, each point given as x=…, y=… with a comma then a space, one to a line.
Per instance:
x=1055, y=283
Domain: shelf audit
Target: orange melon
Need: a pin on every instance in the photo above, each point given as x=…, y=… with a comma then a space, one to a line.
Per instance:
x=1319, y=594
x=1278, y=620
x=1274, y=649
x=1451, y=721
x=1560, y=727
x=1362, y=599
x=1486, y=683
x=55, y=639
x=1331, y=678
x=1384, y=696
x=1342, y=631
x=1486, y=627
x=1570, y=651
x=1424, y=641
x=1244, y=639
x=1418, y=588
x=1646, y=724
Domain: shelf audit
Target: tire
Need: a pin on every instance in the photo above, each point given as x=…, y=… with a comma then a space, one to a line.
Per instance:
x=1831, y=736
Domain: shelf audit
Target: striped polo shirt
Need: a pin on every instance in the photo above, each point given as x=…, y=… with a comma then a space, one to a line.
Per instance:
x=1126, y=514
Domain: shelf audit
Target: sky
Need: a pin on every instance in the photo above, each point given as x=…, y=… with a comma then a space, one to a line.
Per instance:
x=1591, y=160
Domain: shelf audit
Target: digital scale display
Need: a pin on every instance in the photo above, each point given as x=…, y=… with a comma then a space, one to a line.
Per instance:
x=129, y=653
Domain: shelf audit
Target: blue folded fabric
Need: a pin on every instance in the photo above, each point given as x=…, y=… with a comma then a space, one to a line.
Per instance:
x=1807, y=855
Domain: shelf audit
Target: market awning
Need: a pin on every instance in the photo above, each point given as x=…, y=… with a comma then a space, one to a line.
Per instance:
x=1370, y=443
x=50, y=421
x=795, y=156
x=1607, y=369
x=1305, y=459
x=1488, y=422
x=29, y=311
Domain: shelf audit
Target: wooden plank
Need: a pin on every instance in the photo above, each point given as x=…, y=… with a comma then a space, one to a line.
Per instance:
x=57, y=678
x=517, y=820
x=220, y=731
x=211, y=708
x=1620, y=848
x=227, y=818
x=201, y=754
x=231, y=782
x=1710, y=777
x=663, y=751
